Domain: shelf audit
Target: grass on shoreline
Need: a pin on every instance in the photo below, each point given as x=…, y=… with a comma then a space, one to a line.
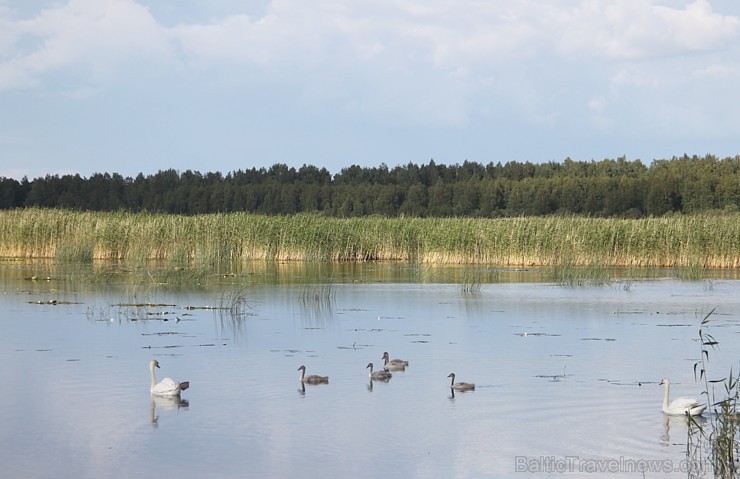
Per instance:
x=558, y=242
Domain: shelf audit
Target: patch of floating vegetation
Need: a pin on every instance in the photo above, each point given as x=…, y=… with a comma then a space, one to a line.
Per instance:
x=163, y=333
x=598, y=339
x=356, y=346
x=173, y=346
x=176, y=320
x=552, y=377
x=232, y=305
x=144, y=305
x=615, y=382
x=53, y=302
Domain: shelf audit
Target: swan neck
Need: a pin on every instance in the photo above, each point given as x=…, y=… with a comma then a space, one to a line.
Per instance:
x=666, y=395
x=154, y=380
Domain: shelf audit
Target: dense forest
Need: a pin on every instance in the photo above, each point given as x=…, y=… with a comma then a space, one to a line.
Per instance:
x=607, y=188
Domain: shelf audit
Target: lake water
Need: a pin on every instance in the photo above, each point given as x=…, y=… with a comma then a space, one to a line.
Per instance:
x=566, y=377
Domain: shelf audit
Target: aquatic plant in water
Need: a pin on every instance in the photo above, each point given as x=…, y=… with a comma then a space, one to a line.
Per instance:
x=721, y=444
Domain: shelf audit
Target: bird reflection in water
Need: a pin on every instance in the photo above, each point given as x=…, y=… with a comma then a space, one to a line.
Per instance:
x=680, y=423
x=165, y=403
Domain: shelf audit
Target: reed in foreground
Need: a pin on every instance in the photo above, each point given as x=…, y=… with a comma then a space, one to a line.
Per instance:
x=679, y=241
x=721, y=443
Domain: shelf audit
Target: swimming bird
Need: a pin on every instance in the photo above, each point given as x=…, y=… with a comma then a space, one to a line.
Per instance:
x=312, y=379
x=393, y=364
x=680, y=406
x=460, y=386
x=167, y=386
x=378, y=375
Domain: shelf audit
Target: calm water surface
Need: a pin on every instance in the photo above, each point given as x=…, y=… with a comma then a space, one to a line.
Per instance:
x=564, y=377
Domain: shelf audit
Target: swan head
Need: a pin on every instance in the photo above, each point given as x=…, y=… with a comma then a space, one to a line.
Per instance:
x=301, y=367
x=385, y=355
x=369, y=365
x=665, y=382
x=153, y=364
x=451, y=375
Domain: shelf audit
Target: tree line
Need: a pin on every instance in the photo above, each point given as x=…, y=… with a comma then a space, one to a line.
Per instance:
x=607, y=188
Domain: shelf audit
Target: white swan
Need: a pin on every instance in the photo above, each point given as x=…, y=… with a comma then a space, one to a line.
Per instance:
x=393, y=364
x=460, y=386
x=166, y=387
x=313, y=379
x=378, y=375
x=680, y=406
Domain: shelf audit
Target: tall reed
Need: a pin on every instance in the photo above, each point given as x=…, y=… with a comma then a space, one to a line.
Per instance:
x=723, y=441
x=679, y=241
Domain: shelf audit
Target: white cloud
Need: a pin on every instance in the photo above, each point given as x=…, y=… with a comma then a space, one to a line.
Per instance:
x=95, y=39
x=698, y=28
x=418, y=64
x=640, y=29
x=299, y=39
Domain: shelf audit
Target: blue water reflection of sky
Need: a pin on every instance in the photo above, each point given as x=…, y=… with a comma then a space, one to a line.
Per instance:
x=582, y=381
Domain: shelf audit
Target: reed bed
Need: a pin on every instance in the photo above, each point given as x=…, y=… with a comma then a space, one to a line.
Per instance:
x=676, y=241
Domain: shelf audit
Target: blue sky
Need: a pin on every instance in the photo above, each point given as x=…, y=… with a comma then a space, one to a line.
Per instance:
x=131, y=86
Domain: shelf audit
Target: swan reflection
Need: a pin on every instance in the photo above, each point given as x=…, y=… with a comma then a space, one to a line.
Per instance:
x=680, y=425
x=370, y=383
x=451, y=397
x=165, y=403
